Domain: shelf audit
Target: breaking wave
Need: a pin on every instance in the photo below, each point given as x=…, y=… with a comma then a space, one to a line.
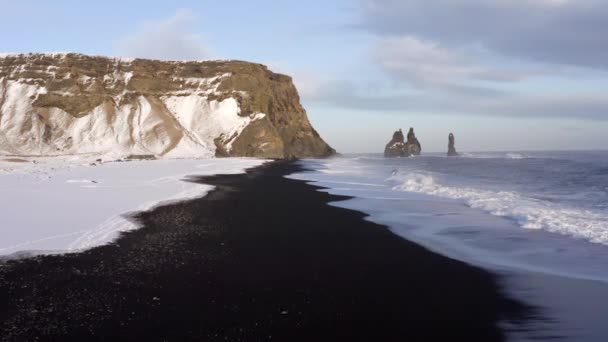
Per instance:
x=490, y=155
x=530, y=213
x=515, y=156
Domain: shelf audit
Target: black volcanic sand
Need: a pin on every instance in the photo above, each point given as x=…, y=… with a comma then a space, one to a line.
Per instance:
x=260, y=258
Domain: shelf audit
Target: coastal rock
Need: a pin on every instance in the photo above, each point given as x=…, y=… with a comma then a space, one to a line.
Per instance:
x=395, y=147
x=68, y=104
x=399, y=147
x=451, y=146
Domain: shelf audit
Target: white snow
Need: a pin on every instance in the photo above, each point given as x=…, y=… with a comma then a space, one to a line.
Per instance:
x=118, y=76
x=207, y=120
x=57, y=206
x=182, y=124
x=203, y=82
x=61, y=55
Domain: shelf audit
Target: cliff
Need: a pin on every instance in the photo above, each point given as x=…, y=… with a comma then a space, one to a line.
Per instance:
x=64, y=104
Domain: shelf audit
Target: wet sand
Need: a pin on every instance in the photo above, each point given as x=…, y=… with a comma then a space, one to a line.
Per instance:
x=259, y=258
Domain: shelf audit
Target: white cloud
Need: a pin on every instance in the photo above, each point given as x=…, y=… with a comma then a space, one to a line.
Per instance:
x=589, y=106
x=420, y=62
x=308, y=82
x=564, y=32
x=172, y=38
x=425, y=63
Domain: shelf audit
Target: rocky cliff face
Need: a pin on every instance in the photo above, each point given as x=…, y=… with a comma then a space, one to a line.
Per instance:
x=398, y=147
x=60, y=104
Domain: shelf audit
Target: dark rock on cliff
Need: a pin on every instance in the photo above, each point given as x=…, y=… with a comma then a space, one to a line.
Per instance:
x=451, y=146
x=398, y=147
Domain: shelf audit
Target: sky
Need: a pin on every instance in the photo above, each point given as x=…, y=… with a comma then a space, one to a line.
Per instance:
x=502, y=75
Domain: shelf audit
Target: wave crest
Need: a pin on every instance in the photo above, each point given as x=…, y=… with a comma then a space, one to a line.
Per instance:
x=529, y=212
x=515, y=156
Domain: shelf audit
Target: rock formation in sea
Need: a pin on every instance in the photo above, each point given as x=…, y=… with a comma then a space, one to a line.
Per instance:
x=398, y=147
x=68, y=104
x=451, y=146
x=395, y=147
x=413, y=144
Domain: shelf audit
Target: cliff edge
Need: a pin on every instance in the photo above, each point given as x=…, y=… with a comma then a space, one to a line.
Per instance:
x=65, y=104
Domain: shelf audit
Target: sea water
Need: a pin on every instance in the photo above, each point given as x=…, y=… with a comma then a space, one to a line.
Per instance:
x=538, y=211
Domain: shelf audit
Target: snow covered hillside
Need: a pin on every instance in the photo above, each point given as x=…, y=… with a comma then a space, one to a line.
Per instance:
x=67, y=104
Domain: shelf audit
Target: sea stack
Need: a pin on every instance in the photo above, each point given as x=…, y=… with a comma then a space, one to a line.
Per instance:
x=398, y=147
x=451, y=146
x=74, y=104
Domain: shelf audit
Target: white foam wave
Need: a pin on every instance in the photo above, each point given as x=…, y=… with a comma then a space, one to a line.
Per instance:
x=530, y=213
x=515, y=156
x=493, y=155
x=81, y=181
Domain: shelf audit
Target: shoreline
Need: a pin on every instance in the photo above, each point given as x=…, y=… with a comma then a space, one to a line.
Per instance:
x=566, y=302
x=260, y=257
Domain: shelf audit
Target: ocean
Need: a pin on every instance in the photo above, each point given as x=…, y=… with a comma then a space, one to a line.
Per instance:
x=537, y=211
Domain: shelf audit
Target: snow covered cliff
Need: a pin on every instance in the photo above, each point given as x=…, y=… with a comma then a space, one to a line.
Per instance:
x=66, y=104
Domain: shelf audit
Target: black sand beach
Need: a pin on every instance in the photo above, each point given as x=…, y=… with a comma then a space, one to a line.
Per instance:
x=260, y=258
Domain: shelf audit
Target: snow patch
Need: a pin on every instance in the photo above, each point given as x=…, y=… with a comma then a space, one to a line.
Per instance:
x=178, y=126
x=55, y=206
x=208, y=120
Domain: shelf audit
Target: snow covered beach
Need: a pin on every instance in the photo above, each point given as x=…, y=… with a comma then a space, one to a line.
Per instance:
x=260, y=257
x=262, y=238
x=63, y=204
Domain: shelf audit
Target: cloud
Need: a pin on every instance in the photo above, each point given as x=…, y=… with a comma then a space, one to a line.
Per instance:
x=546, y=31
x=308, y=82
x=425, y=63
x=347, y=94
x=474, y=56
x=171, y=38
x=418, y=61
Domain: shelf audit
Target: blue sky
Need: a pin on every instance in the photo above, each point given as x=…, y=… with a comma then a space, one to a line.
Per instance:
x=500, y=74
